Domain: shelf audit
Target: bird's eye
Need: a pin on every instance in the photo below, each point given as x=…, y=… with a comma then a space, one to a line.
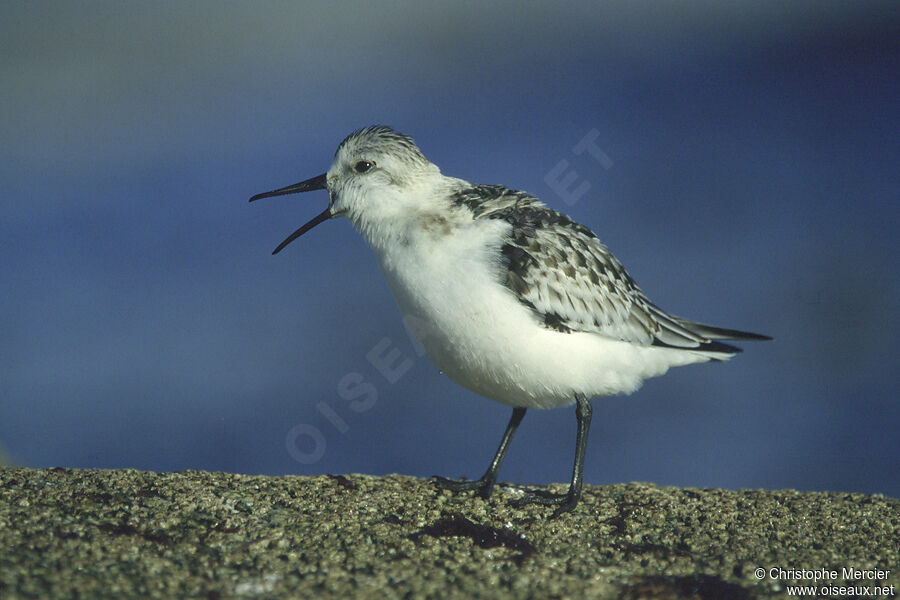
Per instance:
x=363, y=166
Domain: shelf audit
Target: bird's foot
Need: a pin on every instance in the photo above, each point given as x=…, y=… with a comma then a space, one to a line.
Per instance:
x=484, y=486
x=566, y=502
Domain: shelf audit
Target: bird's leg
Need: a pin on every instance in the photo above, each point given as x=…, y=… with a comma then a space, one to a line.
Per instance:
x=569, y=500
x=485, y=485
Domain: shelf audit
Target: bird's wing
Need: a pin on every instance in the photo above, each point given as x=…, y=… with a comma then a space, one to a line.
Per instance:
x=560, y=270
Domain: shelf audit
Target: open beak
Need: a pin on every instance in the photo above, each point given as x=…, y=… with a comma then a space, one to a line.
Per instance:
x=316, y=183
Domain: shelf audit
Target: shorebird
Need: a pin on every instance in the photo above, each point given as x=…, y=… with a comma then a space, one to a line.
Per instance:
x=511, y=299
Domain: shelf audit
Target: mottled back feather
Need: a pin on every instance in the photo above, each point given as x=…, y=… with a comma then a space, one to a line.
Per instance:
x=560, y=270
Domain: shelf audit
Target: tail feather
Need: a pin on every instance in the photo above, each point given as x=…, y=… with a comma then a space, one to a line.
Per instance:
x=719, y=333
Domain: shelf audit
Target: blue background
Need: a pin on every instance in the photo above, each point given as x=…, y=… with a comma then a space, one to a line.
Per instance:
x=753, y=185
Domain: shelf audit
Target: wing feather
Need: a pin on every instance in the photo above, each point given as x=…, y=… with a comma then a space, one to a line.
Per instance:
x=561, y=271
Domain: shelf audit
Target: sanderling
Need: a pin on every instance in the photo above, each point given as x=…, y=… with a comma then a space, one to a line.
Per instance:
x=511, y=299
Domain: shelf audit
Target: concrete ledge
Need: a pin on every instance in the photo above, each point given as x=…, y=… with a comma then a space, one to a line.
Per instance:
x=67, y=533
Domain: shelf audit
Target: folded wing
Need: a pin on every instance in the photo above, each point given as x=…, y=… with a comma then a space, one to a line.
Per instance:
x=561, y=271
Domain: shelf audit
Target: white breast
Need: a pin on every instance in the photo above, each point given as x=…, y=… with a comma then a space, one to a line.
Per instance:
x=446, y=280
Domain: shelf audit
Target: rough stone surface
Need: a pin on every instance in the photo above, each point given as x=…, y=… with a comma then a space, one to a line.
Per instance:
x=69, y=533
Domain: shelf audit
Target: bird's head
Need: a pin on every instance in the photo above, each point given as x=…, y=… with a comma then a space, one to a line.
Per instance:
x=373, y=181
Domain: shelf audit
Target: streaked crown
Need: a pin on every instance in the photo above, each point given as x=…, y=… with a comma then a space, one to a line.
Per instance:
x=381, y=139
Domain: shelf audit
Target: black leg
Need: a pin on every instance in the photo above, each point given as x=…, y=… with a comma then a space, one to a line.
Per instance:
x=569, y=500
x=485, y=485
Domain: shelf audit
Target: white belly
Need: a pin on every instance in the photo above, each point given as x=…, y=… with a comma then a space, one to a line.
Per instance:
x=482, y=337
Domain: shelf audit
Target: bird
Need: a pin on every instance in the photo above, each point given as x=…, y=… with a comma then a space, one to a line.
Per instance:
x=511, y=299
